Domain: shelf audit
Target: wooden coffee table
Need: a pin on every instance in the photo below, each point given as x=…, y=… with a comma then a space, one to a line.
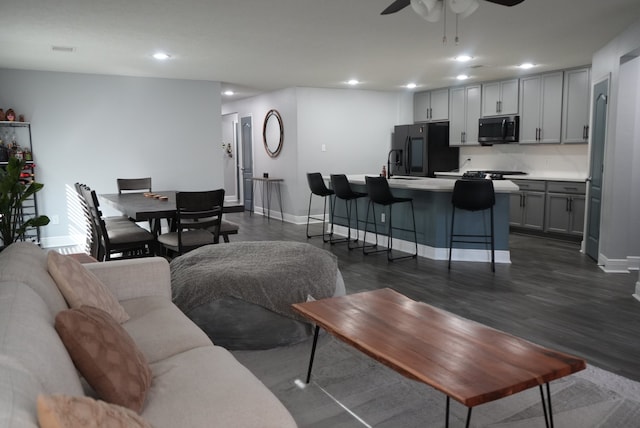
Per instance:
x=465, y=360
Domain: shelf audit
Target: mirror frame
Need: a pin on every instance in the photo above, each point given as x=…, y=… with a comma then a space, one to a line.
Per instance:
x=273, y=113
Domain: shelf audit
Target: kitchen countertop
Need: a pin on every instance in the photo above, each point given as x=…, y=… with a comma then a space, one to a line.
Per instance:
x=532, y=176
x=431, y=184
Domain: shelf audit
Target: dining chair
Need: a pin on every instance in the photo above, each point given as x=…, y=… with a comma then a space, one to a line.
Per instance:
x=134, y=184
x=197, y=222
x=117, y=236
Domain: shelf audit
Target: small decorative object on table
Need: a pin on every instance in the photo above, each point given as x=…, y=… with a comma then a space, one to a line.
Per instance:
x=2, y=117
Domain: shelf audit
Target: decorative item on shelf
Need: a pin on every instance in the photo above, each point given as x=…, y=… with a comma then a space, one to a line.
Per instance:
x=384, y=172
x=28, y=156
x=13, y=193
x=10, y=115
x=227, y=149
x=265, y=175
x=21, y=118
x=2, y=116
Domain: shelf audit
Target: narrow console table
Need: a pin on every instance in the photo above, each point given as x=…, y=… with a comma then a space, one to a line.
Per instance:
x=267, y=186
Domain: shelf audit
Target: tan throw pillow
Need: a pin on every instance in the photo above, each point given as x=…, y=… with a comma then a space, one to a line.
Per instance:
x=62, y=411
x=105, y=354
x=81, y=287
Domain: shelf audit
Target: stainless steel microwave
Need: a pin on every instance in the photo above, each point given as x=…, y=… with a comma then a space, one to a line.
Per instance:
x=499, y=130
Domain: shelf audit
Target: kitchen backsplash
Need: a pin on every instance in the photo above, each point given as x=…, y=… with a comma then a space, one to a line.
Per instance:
x=553, y=160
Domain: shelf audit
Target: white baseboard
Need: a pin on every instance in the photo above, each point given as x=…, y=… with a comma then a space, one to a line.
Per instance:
x=613, y=265
x=459, y=254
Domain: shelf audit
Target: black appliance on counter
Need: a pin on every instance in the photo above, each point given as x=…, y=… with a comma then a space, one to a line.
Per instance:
x=421, y=149
x=498, y=130
x=491, y=174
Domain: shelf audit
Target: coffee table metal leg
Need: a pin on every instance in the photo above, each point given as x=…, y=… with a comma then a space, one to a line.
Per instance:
x=313, y=351
x=546, y=407
x=446, y=417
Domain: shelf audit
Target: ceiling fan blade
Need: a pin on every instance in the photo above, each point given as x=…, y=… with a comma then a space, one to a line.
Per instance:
x=506, y=2
x=396, y=6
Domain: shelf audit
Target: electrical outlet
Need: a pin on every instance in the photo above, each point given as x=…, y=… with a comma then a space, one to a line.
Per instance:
x=324, y=148
x=382, y=217
x=55, y=219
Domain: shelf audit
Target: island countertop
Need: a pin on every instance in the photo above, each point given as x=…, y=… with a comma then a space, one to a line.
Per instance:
x=430, y=184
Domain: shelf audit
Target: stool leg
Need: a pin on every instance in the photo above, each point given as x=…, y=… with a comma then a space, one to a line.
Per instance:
x=493, y=256
x=309, y=214
x=453, y=214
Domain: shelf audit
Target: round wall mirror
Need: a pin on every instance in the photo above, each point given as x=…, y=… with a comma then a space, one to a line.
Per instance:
x=273, y=133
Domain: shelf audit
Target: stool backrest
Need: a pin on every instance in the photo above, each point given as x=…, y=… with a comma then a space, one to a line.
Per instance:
x=473, y=194
x=378, y=189
x=316, y=184
x=341, y=186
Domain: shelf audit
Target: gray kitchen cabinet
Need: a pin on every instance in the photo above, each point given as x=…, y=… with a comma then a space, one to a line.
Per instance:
x=575, y=109
x=527, y=206
x=541, y=108
x=500, y=98
x=431, y=106
x=464, y=104
x=565, y=207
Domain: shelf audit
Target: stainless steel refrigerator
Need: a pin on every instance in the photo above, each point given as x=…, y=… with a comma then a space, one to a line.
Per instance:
x=421, y=149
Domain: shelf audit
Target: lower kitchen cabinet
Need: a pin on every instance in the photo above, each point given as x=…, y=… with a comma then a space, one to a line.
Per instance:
x=527, y=206
x=565, y=206
x=553, y=207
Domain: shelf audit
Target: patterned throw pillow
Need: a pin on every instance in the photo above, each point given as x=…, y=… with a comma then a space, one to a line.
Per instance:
x=81, y=287
x=62, y=411
x=105, y=354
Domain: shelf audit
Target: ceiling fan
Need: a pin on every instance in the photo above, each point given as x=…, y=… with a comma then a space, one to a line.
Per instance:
x=431, y=10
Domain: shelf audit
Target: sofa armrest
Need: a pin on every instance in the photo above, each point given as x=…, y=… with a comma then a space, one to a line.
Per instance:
x=132, y=278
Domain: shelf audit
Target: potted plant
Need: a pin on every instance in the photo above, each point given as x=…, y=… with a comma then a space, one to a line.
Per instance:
x=13, y=193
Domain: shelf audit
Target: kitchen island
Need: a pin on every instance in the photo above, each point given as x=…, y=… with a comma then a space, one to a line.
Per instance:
x=432, y=203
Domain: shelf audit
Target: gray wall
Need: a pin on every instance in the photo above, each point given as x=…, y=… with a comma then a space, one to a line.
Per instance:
x=95, y=128
x=354, y=125
x=620, y=210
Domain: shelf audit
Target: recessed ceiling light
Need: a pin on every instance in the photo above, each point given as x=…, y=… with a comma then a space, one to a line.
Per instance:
x=526, y=65
x=353, y=82
x=463, y=58
x=228, y=93
x=411, y=86
x=462, y=77
x=161, y=56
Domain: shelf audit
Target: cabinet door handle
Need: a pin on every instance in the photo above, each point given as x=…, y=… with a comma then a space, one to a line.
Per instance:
x=570, y=204
x=567, y=204
x=430, y=113
x=586, y=132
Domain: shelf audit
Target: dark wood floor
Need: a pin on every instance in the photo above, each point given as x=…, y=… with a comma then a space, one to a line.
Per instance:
x=550, y=294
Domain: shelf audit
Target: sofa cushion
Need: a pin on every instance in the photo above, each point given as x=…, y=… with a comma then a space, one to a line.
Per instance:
x=28, y=336
x=206, y=387
x=81, y=287
x=32, y=356
x=106, y=355
x=61, y=411
x=26, y=262
x=160, y=329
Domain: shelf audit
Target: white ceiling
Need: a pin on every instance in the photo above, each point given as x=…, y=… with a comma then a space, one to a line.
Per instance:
x=263, y=45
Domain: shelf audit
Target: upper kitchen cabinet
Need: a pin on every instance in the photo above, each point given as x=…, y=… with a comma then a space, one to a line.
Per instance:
x=500, y=98
x=431, y=106
x=541, y=108
x=575, y=111
x=464, y=103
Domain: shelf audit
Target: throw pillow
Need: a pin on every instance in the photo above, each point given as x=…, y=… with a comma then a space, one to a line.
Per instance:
x=81, y=287
x=105, y=354
x=63, y=411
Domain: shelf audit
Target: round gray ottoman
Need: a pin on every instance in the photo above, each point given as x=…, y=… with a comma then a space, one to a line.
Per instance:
x=240, y=293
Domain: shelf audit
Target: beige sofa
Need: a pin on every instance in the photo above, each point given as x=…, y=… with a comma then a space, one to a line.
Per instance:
x=194, y=384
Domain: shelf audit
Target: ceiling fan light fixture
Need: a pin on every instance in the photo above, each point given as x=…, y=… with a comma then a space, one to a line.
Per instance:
x=463, y=8
x=430, y=10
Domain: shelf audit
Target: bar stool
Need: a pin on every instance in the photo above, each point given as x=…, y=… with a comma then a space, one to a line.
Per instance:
x=473, y=195
x=318, y=188
x=343, y=190
x=379, y=193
